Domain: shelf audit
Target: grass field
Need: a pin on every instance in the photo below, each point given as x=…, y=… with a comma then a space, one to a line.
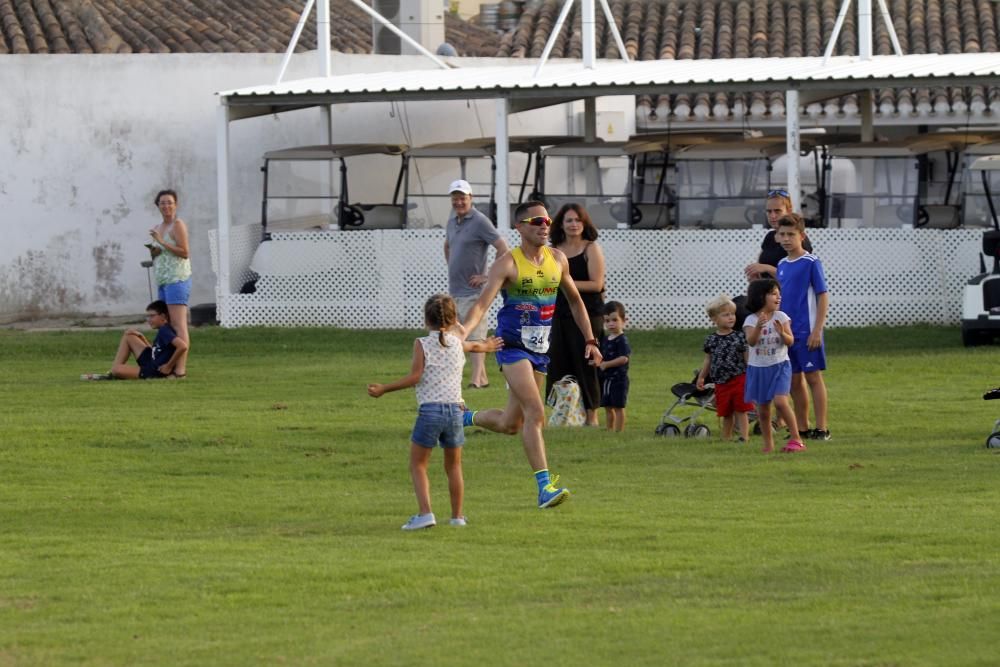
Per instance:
x=250, y=515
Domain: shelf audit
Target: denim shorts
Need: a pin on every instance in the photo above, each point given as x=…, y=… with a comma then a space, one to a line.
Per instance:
x=174, y=294
x=439, y=423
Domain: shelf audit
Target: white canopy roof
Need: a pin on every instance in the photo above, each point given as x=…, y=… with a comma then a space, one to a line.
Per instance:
x=559, y=82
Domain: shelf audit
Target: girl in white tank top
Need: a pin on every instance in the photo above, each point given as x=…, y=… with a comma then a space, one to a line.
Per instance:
x=436, y=373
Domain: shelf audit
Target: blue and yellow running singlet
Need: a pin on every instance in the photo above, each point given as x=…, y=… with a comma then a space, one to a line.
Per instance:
x=525, y=320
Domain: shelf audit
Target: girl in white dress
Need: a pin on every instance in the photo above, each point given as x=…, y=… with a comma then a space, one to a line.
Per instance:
x=769, y=372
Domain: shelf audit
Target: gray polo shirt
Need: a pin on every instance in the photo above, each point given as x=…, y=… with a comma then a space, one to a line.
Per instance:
x=468, y=244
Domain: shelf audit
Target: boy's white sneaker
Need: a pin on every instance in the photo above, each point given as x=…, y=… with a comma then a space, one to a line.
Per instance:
x=418, y=521
x=459, y=521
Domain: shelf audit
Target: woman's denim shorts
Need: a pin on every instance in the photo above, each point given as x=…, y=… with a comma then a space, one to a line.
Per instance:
x=439, y=423
x=174, y=294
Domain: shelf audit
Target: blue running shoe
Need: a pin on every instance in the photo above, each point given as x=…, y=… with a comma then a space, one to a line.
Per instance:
x=467, y=417
x=551, y=496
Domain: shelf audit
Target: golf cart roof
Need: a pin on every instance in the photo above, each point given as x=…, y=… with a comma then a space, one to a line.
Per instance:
x=486, y=146
x=736, y=149
x=597, y=148
x=991, y=147
x=457, y=149
x=334, y=151
x=911, y=147
x=668, y=142
x=986, y=163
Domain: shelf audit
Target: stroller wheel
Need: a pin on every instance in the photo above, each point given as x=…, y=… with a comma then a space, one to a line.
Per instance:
x=697, y=431
x=993, y=442
x=668, y=431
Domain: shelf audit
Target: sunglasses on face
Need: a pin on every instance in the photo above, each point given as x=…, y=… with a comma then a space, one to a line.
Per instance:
x=777, y=193
x=537, y=221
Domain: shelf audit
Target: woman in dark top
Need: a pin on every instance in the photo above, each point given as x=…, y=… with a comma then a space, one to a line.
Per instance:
x=574, y=233
x=779, y=203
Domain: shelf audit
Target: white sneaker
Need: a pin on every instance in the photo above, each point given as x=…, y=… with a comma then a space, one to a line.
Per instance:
x=459, y=521
x=418, y=521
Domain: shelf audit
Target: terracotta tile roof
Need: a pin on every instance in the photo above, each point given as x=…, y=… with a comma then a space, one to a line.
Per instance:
x=195, y=26
x=685, y=29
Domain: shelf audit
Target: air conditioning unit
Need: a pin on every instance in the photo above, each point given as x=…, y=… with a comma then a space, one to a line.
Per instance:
x=423, y=20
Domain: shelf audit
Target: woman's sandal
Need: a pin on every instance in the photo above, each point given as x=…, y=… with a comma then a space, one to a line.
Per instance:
x=175, y=376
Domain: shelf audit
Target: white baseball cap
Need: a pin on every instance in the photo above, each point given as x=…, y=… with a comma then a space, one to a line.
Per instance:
x=460, y=186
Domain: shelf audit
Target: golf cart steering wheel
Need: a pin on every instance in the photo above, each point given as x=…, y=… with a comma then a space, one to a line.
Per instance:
x=351, y=216
x=636, y=215
x=923, y=217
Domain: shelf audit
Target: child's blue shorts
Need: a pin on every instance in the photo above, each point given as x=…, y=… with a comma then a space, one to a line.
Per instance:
x=766, y=382
x=439, y=423
x=174, y=294
x=148, y=369
x=614, y=392
x=805, y=360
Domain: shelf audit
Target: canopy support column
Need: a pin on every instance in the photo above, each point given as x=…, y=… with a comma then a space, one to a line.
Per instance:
x=223, y=288
x=503, y=163
x=792, y=146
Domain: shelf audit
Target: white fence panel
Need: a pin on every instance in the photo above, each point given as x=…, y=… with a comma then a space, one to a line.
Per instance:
x=380, y=279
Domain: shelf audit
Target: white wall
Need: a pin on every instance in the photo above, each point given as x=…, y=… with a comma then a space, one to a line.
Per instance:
x=89, y=139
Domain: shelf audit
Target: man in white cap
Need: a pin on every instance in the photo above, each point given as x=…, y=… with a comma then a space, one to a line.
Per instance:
x=468, y=239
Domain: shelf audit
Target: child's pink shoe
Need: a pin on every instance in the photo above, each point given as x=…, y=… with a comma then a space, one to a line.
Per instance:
x=767, y=449
x=793, y=446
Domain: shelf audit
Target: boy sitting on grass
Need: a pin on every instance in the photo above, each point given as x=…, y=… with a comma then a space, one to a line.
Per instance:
x=154, y=361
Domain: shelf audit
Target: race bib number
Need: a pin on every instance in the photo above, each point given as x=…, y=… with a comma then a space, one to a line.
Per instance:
x=535, y=339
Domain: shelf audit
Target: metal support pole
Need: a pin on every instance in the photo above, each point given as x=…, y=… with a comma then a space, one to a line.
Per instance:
x=614, y=29
x=503, y=163
x=295, y=40
x=844, y=6
x=553, y=36
x=792, y=145
x=399, y=33
x=223, y=288
x=588, y=26
x=865, y=29
x=890, y=27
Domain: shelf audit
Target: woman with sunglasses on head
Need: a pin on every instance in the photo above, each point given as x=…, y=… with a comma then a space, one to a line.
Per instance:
x=574, y=233
x=778, y=204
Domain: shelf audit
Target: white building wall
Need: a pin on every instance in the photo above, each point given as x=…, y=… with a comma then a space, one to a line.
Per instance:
x=88, y=140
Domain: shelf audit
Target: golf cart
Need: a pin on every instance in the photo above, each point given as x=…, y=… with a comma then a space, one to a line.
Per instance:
x=975, y=191
x=891, y=184
x=469, y=153
x=723, y=184
x=653, y=174
x=603, y=170
x=981, y=299
x=299, y=190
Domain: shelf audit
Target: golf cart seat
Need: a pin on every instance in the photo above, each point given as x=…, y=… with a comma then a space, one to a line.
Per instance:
x=731, y=217
x=939, y=216
x=891, y=215
x=372, y=216
x=300, y=223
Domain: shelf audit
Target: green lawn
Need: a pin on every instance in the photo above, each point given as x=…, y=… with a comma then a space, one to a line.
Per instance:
x=250, y=514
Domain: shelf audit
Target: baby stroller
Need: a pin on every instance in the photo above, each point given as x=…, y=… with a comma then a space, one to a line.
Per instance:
x=993, y=441
x=690, y=404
